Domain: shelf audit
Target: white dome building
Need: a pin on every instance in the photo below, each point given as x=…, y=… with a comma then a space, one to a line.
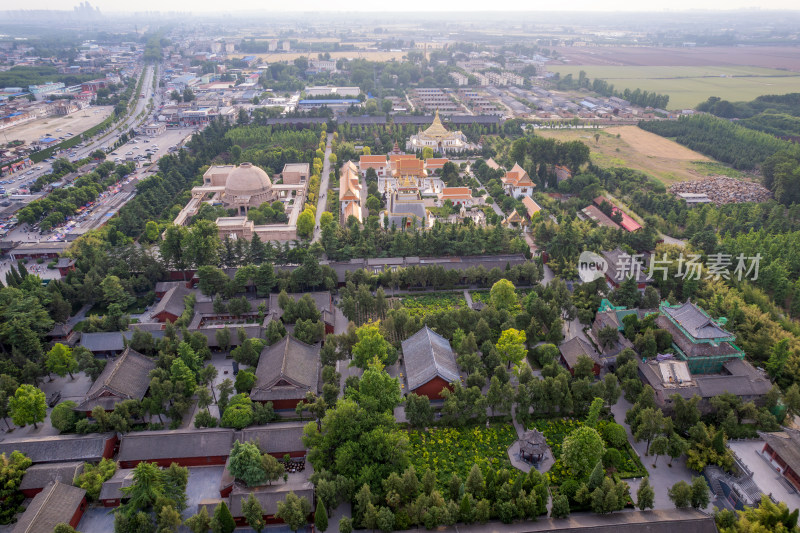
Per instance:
x=246, y=186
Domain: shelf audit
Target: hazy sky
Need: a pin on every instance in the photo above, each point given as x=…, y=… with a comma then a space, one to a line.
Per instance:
x=406, y=5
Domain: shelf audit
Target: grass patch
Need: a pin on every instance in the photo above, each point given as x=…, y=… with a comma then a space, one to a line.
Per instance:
x=449, y=450
x=713, y=167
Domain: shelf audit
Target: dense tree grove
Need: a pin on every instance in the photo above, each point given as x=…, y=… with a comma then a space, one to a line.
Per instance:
x=742, y=148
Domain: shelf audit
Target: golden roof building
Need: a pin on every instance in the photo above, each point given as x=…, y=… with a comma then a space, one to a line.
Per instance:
x=438, y=138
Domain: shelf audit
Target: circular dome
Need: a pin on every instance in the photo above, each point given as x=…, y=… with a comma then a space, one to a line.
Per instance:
x=247, y=179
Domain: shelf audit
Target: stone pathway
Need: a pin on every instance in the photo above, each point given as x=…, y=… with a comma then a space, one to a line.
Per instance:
x=468, y=298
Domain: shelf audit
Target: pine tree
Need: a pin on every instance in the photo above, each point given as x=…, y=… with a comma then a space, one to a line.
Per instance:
x=645, y=496
x=320, y=517
x=223, y=521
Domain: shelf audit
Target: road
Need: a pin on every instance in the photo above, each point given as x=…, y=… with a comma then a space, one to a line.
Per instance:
x=323, y=187
x=106, y=139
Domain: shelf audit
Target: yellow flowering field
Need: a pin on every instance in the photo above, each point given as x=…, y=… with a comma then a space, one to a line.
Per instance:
x=447, y=450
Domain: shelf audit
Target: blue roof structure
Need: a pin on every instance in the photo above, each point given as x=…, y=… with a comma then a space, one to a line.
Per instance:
x=334, y=101
x=47, y=140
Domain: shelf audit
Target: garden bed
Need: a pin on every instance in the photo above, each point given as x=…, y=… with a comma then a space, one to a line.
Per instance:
x=556, y=429
x=448, y=450
x=428, y=304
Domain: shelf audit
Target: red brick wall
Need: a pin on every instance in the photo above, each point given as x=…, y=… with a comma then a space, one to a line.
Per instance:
x=182, y=461
x=284, y=404
x=433, y=388
x=110, y=447
x=76, y=517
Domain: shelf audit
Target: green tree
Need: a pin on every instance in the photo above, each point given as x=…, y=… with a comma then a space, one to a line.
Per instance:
x=294, y=511
x=511, y=347
x=680, y=494
x=27, y=406
x=345, y=525
x=650, y=423
x=377, y=390
x=645, y=495
x=581, y=450
x=305, y=224
x=222, y=521
x=273, y=469
x=64, y=528
x=503, y=294
x=60, y=361
x=560, y=508
x=147, y=487
x=245, y=463
x=699, y=495
x=418, y=410
x=63, y=416
x=253, y=513
x=244, y=381
x=12, y=469
x=200, y=522
x=169, y=519
x=93, y=477
x=659, y=446
x=321, y=517
x=370, y=344
x=475, y=483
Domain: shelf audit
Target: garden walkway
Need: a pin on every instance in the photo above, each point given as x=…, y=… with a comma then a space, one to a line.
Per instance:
x=513, y=450
x=468, y=298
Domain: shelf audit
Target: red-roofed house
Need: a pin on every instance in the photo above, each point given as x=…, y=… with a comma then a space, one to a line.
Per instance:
x=435, y=163
x=531, y=207
x=516, y=182
x=627, y=223
x=376, y=162
x=457, y=195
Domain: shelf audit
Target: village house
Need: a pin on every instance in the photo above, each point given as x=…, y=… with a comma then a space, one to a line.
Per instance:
x=458, y=196
x=573, y=349
x=37, y=477
x=125, y=378
x=63, y=448
x=517, y=183
x=429, y=364
x=378, y=163
x=56, y=503
x=194, y=447
x=621, y=265
x=782, y=450
x=350, y=200
x=286, y=371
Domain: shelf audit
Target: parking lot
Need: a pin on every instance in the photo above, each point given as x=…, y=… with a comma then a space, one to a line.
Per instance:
x=74, y=123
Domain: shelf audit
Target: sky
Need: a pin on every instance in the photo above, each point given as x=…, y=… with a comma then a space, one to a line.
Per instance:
x=200, y=6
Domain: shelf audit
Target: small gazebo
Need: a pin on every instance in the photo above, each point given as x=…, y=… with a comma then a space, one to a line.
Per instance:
x=533, y=446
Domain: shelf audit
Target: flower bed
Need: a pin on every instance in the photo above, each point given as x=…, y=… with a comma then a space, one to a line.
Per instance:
x=556, y=429
x=448, y=450
x=426, y=304
x=484, y=296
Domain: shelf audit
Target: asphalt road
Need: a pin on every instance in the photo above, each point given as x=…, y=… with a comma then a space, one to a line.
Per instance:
x=323, y=187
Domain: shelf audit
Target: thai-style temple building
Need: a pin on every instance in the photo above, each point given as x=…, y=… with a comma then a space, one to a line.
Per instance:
x=438, y=138
x=350, y=199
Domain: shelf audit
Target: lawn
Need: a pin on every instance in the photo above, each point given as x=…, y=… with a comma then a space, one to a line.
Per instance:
x=688, y=86
x=447, y=450
x=556, y=429
x=426, y=304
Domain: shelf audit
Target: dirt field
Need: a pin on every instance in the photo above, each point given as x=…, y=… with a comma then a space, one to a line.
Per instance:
x=778, y=57
x=75, y=123
x=353, y=54
x=656, y=156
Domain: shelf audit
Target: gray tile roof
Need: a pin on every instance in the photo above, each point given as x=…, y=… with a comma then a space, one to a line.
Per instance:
x=103, y=342
x=174, y=444
x=322, y=299
x=426, y=354
x=126, y=377
x=287, y=370
x=277, y=438
x=59, y=448
x=738, y=377
x=696, y=322
x=619, y=266
x=38, y=476
x=787, y=445
x=574, y=348
x=55, y=504
x=172, y=302
x=112, y=489
x=269, y=495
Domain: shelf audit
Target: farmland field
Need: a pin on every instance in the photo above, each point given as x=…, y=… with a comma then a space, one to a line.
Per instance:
x=448, y=450
x=426, y=304
x=688, y=86
x=661, y=158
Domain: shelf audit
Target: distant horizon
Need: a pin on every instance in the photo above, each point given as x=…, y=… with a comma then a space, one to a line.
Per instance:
x=452, y=7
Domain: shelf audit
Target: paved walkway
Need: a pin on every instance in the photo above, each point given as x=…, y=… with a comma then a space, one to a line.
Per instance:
x=468, y=298
x=324, y=179
x=662, y=476
x=513, y=451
